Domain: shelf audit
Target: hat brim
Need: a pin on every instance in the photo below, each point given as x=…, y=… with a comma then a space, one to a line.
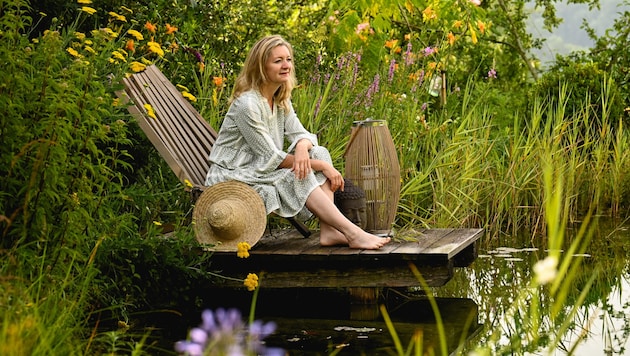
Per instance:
x=252, y=215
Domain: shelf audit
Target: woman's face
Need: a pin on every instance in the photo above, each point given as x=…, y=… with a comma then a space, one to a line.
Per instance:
x=279, y=65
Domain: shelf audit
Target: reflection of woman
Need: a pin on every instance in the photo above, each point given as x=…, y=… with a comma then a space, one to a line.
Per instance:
x=250, y=148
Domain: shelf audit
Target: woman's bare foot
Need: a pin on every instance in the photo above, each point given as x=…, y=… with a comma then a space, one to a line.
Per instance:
x=360, y=240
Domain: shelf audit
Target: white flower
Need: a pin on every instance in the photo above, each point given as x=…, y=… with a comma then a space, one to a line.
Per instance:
x=546, y=270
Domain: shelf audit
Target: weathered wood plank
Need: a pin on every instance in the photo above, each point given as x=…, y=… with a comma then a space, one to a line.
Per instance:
x=454, y=242
x=391, y=276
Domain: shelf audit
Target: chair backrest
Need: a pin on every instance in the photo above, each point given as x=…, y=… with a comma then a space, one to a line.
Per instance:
x=179, y=133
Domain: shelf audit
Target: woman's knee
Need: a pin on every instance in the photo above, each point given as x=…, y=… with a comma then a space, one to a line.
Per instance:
x=321, y=153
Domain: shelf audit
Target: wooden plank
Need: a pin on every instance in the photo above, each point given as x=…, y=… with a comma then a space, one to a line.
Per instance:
x=424, y=240
x=454, y=242
x=392, y=276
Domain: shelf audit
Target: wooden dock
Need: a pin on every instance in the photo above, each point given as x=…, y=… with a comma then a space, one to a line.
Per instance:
x=285, y=259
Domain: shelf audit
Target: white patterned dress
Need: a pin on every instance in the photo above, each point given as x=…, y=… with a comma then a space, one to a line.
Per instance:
x=250, y=147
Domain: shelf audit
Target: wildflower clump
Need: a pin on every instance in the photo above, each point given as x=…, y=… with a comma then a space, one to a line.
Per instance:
x=223, y=332
x=251, y=282
x=243, y=249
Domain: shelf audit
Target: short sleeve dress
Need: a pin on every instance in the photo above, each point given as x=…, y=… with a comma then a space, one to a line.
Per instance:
x=250, y=147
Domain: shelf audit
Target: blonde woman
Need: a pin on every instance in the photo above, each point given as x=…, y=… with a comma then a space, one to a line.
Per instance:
x=297, y=181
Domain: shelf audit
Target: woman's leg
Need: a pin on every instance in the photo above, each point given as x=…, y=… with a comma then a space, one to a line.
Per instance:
x=335, y=228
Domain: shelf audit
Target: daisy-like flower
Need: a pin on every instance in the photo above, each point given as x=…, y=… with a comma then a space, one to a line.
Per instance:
x=137, y=35
x=150, y=111
x=73, y=52
x=88, y=10
x=84, y=2
x=243, y=250
x=251, y=282
x=119, y=56
x=137, y=66
x=156, y=48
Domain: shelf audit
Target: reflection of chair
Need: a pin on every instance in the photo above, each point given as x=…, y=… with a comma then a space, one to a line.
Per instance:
x=179, y=133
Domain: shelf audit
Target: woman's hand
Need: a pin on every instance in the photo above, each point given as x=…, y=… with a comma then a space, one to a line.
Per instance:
x=301, y=161
x=335, y=178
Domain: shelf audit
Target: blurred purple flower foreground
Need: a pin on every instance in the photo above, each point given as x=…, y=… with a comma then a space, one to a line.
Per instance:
x=223, y=332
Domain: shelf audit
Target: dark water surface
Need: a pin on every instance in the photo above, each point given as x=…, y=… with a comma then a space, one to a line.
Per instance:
x=472, y=306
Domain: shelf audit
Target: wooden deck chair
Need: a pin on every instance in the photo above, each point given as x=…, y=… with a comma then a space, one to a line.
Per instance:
x=179, y=133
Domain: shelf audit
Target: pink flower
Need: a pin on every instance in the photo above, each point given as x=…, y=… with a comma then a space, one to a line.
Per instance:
x=476, y=2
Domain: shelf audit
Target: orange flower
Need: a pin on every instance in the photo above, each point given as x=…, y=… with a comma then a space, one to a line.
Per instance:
x=170, y=29
x=130, y=46
x=391, y=43
x=451, y=38
x=218, y=81
x=151, y=27
x=457, y=24
x=481, y=26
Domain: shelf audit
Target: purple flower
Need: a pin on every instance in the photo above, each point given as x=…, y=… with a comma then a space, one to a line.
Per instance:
x=428, y=51
x=408, y=55
x=225, y=333
x=492, y=73
x=392, y=67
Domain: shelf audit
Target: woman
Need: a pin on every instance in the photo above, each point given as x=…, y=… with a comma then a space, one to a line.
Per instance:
x=250, y=148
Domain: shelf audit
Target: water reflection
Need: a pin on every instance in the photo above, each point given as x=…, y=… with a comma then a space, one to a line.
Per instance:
x=319, y=321
x=600, y=326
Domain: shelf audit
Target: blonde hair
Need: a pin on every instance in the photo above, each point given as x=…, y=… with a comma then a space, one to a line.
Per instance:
x=253, y=76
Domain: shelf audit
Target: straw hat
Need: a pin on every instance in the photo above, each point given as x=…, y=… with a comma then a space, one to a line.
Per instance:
x=228, y=213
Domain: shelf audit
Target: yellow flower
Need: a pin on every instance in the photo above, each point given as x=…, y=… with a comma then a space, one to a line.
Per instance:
x=89, y=49
x=156, y=48
x=137, y=66
x=150, y=111
x=457, y=24
x=127, y=9
x=189, y=96
x=110, y=32
x=146, y=61
x=73, y=52
x=79, y=35
x=243, y=249
x=181, y=87
x=157, y=223
x=117, y=17
x=119, y=56
x=88, y=10
x=138, y=36
x=188, y=183
x=251, y=282
x=84, y=2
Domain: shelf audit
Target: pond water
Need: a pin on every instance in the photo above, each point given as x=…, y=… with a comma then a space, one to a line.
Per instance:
x=472, y=306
